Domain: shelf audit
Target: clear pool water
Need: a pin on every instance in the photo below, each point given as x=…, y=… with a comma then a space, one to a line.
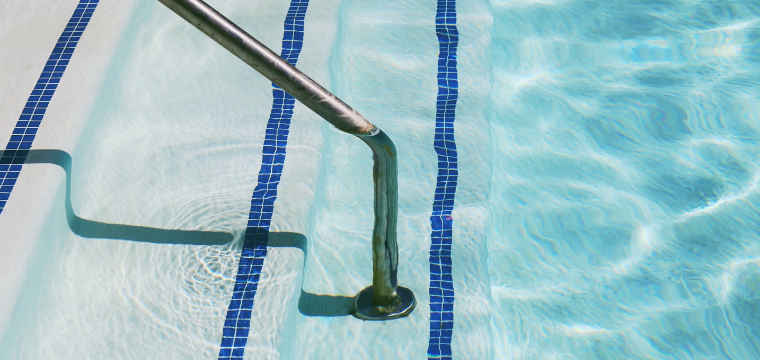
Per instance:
x=605, y=207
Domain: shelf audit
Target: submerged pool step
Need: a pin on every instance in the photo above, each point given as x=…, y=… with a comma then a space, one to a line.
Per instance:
x=33, y=112
x=386, y=301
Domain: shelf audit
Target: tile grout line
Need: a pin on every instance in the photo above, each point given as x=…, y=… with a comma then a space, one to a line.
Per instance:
x=441, y=282
x=237, y=323
x=31, y=116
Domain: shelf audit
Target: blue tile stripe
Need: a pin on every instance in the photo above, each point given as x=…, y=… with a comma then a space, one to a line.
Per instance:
x=441, y=282
x=31, y=116
x=238, y=321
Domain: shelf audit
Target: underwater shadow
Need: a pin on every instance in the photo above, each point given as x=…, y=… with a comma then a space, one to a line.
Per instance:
x=100, y=230
x=310, y=304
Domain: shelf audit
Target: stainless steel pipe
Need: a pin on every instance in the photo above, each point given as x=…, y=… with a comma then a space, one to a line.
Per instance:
x=384, y=299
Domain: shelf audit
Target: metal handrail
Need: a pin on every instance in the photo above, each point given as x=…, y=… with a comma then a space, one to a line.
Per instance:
x=384, y=299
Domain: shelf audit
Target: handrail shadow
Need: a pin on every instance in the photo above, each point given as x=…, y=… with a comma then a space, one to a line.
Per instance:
x=100, y=230
x=309, y=304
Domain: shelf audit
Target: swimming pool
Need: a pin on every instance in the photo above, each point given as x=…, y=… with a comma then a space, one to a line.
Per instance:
x=597, y=190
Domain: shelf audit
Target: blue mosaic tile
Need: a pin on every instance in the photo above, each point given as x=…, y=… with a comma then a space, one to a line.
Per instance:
x=441, y=284
x=34, y=110
x=238, y=320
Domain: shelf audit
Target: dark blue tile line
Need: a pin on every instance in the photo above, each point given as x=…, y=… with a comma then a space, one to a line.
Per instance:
x=238, y=321
x=29, y=122
x=441, y=282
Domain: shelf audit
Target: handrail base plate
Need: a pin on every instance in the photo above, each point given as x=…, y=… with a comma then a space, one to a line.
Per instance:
x=365, y=310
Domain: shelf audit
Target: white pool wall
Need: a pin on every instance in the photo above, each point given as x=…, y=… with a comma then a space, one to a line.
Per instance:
x=174, y=141
x=110, y=183
x=28, y=33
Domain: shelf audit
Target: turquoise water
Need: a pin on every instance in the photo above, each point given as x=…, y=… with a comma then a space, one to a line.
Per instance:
x=604, y=210
x=624, y=222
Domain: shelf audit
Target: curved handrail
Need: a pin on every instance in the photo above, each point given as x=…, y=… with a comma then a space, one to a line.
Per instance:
x=384, y=299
